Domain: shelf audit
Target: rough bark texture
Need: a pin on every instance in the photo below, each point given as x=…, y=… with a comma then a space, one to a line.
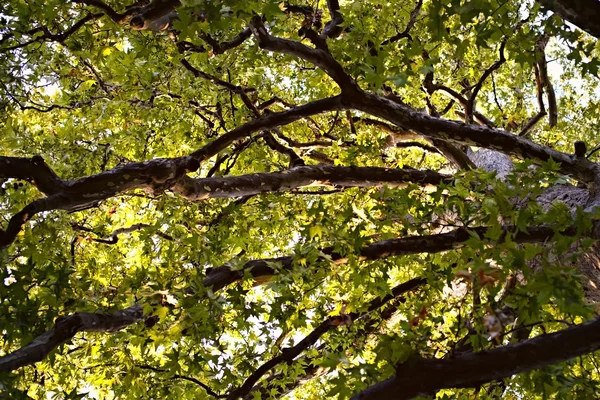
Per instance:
x=588, y=263
x=219, y=277
x=245, y=185
x=422, y=376
x=64, y=329
x=492, y=161
x=585, y=14
x=573, y=197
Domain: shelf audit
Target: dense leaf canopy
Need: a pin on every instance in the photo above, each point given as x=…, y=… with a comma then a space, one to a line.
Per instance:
x=322, y=199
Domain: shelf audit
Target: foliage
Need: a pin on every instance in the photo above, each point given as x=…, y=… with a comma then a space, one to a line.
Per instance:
x=103, y=96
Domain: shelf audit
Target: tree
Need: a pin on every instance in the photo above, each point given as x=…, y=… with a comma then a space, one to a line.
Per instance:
x=243, y=200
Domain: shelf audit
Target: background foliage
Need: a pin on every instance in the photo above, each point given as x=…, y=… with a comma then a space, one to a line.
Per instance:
x=103, y=96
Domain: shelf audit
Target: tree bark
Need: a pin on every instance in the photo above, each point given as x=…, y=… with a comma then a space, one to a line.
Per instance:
x=424, y=376
x=64, y=329
x=585, y=14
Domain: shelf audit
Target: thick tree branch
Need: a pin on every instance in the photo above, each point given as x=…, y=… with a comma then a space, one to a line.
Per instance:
x=155, y=175
x=245, y=185
x=397, y=136
x=64, y=329
x=32, y=169
x=477, y=135
x=222, y=276
x=424, y=376
x=111, y=13
x=583, y=13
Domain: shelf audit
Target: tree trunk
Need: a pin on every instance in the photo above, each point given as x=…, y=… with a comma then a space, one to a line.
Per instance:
x=589, y=263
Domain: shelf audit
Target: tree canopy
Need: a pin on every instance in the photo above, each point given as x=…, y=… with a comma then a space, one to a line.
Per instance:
x=322, y=199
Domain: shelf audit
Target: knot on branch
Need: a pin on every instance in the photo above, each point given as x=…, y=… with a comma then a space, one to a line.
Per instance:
x=259, y=31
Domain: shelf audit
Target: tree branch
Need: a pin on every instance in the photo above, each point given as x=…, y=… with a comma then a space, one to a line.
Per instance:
x=246, y=185
x=64, y=329
x=155, y=175
x=318, y=57
x=222, y=276
x=204, y=386
x=114, y=236
x=482, y=136
x=333, y=28
x=411, y=22
x=288, y=354
x=32, y=169
x=544, y=79
x=222, y=47
x=470, y=108
x=422, y=146
x=57, y=37
x=424, y=376
x=108, y=10
x=582, y=13
x=309, y=364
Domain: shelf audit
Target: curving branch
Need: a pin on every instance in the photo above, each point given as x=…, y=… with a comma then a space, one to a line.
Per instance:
x=155, y=175
x=542, y=78
x=219, y=82
x=222, y=276
x=161, y=174
x=540, y=97
x=47, y=35
x=477, y=135
x=426, y=376
x=460, y=99
x=319, y=57
x=64, y=329
x=268, y=121
x=295, y=160
x=470, y=108
x=32, y=169
x=288, y=354
x=309, y=365
x=222, y=47
x=399, y=136
x=195, y=381
x=414, y=14
x=333, y=28
x=119, y=18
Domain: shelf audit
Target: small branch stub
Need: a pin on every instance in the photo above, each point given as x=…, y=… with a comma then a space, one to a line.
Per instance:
x=580, y=148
